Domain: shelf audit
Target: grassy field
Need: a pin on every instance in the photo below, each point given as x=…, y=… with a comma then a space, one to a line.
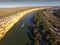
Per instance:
x=10, y=11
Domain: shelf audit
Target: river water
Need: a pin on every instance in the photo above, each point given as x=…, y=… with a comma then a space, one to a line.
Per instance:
x=18, y=33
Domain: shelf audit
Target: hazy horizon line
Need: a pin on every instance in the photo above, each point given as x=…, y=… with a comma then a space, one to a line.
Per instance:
x=28, y=6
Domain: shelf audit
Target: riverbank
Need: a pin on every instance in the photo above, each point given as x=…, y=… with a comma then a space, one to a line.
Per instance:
x=10, y=24
x=17, y=35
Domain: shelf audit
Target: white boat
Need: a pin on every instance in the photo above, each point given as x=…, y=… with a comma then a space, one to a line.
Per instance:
x=23, y=25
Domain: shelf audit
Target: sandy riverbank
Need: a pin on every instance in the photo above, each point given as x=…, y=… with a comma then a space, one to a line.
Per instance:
x=13, y=21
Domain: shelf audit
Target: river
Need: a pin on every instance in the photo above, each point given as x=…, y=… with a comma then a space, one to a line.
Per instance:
x=17, y=35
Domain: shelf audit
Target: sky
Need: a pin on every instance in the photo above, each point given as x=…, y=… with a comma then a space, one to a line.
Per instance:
x=28, y=3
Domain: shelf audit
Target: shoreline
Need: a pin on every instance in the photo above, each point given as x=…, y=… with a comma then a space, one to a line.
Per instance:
x=13, y=21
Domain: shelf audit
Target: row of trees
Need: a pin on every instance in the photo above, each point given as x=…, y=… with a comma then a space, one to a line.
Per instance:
x=57, y=13
x=43, y=35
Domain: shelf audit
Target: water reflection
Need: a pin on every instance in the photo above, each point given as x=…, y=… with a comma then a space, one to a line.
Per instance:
x=18, y=35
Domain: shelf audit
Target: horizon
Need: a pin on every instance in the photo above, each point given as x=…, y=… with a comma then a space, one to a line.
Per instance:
x=28, y=3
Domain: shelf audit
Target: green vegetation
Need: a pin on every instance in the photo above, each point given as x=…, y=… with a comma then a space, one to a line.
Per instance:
x=42, y=31
x=57, y=13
